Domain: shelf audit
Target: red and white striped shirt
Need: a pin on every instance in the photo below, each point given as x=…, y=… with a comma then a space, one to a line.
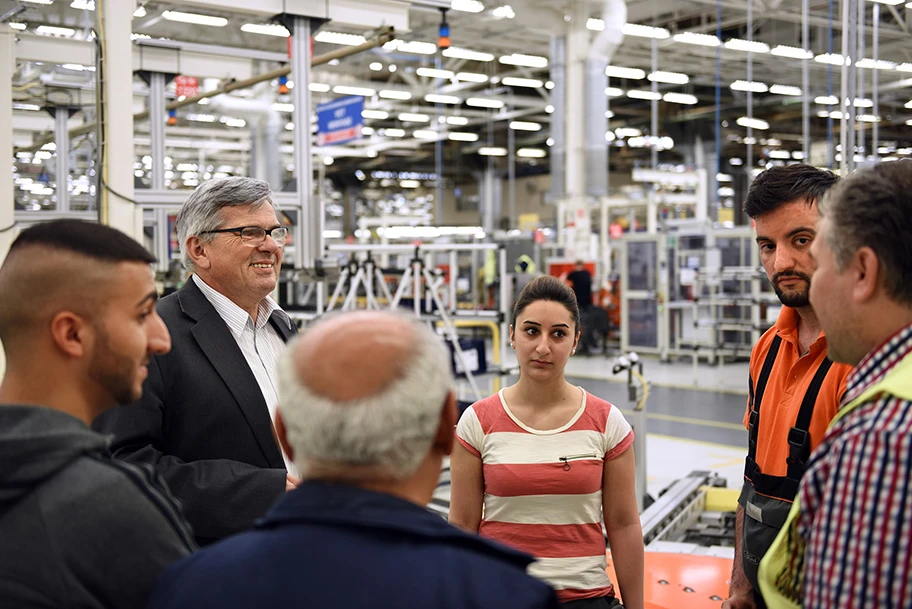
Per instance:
x=543, y=489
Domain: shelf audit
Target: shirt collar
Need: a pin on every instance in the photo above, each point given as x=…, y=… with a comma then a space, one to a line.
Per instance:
x=235, y=317
x=787, y=327
x=878, y=362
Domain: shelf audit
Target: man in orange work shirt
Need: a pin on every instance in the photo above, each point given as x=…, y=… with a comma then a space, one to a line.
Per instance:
x=795, y=389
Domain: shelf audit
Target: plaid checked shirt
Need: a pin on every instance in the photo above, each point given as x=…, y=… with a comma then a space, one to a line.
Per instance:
x=857, y=497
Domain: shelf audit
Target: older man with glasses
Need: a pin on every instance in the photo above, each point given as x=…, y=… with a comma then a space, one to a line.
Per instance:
x=205, y=420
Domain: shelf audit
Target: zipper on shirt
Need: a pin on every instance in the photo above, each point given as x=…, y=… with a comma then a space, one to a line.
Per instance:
x=566, y=460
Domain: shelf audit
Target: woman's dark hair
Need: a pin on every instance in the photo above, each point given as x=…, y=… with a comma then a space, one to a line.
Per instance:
x=548, y=288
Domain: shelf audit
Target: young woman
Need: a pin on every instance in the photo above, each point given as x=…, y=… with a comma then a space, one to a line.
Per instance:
x=538, y=465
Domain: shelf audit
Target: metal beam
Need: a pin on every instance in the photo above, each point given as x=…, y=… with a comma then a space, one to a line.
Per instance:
x=360, y=13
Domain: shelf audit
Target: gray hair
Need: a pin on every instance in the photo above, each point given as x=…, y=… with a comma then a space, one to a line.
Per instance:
x=391, y=431
x=873, y=208
x=201, y=211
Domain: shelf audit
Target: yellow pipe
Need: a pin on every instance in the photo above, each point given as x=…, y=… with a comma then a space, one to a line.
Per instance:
x=495, y=340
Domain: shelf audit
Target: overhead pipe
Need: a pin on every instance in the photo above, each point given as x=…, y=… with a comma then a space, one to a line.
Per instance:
x=379, y=40
x=266, y=129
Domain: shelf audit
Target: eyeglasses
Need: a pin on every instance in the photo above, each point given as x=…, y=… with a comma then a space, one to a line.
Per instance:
x=254, y=235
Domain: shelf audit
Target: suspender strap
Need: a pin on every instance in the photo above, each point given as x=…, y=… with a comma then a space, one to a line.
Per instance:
x=799, y=439
x=754, y=421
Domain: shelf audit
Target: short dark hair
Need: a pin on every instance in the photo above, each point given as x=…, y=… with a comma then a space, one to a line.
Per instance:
x=873, y=208
x=87, y=238
x=548, y=288
x=779, y=186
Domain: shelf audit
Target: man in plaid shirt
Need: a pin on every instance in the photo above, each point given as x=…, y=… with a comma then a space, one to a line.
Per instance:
x=848, y=537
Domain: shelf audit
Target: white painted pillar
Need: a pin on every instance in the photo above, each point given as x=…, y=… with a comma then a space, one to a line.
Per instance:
x=116, y=19
x=7, y=67
x=578, y=243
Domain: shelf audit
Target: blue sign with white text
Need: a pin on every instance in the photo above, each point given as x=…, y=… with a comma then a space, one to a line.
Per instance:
x=339, y=121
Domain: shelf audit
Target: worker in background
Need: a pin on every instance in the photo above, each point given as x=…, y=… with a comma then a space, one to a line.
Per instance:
x=356, y=532
x=78, y=325
x=524, y=274
x=581, y=281
x=846, y=543
x=205, y=420
x=794, y=389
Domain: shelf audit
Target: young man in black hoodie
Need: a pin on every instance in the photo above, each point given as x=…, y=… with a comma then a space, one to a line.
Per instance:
x=78, y=325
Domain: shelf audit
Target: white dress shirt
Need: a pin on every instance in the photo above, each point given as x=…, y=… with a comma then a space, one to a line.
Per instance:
x=260, y=343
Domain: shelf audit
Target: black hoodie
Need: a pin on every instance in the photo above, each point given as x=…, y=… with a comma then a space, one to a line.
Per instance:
x=78, y=528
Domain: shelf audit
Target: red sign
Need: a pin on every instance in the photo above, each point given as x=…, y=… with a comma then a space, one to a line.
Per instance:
x=186, y=86
x=615, y=230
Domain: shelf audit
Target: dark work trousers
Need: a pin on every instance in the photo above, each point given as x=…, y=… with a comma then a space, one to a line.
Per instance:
x=604, y=602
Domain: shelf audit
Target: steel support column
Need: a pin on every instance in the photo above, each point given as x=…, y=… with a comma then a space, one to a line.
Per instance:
x=157, y=128
x=61, y=133
x=309, y=229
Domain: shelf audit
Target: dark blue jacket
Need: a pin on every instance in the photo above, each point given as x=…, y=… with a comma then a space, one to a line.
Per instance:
x=338, y=547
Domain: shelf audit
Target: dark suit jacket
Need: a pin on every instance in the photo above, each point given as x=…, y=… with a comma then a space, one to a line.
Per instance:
x=338, y=547
x=202, y=422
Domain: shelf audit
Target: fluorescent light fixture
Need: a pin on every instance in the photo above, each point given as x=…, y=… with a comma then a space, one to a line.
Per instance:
x=230, y=121
x=375, y=66
x=434, y=73
x=614, y=92
x=467, y=6
x=609, y=114
x=723, y=177
x=644, y=94
x=16, y=25
x=525, y=126
x=332, y=234
x=793, y=52
x=549, y=109
x=39, y=1
x=459, y=136
x=909, y=122
x=903, y=67
x=627, y=132
x=549, y=142
x=890, y=2
x=779, y=154
x=785, y=90
x=414, y=46
x=434, y=98
x=83, y=5
x=526, y=61
x=412, y=117
x=29, y=107
x=458, y=121
x=195, y=18
x=481, y=102
x=704, y=40
x=798, y=155
x=735, y=162
x=748, y=46
x=491, y=151
x=609, y=137
x=140, y=12
x=596, y=25
x=50, y=30
x=826, y=100
x=875, y=64
x=752, y=86
x=680, y=98
x=282, y=107
x=644, y=31
x=409, y=184
x=375, y=114
x=346, y=90
x=532, y=83
x=457, y=53
x=835, y=59
x=629, y=73
x=393, y=132
x=349, y=40
x=319, y=87
x=266, y=29
x=471, y=77
x=868, y=118
x=908, y=105
x=367, y=130
x=394, y=94
x=504, y=12
x=531, y=153
x=863, y=103
x=425, y=134
x=753, y=123
x=671, y=78
x=201, y=118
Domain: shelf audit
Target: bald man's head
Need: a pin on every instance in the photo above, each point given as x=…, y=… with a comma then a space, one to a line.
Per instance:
x=364, y=389
x=55, y=266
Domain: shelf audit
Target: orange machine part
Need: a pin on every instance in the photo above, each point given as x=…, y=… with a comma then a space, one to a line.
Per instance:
x=683, y=581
